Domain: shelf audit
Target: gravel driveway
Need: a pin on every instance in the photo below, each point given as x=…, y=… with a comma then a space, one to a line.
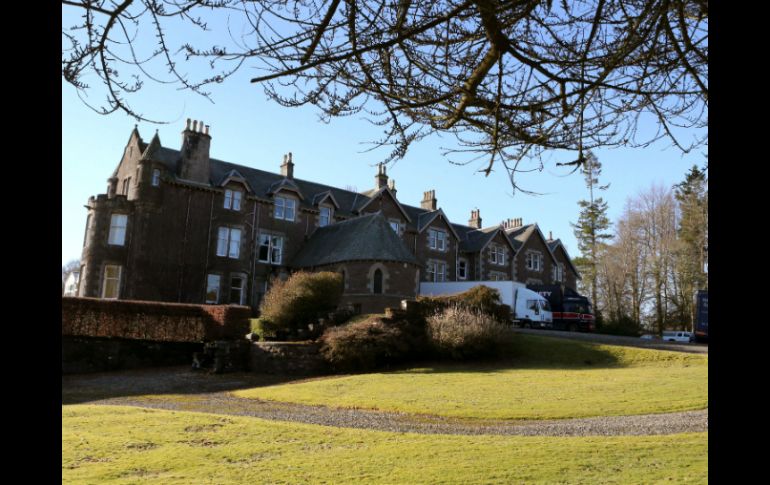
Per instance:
x=618, y=340
x=182, y=390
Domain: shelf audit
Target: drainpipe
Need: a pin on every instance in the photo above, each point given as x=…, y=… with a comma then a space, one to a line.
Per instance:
x=184, y=246
x=208, y=250
x=254, y=250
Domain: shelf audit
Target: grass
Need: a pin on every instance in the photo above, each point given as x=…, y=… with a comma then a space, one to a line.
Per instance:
x=545, y=379
x=126, y=445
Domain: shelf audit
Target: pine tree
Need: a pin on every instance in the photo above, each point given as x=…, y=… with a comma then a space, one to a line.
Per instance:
x=592, y=224
x=692, y=232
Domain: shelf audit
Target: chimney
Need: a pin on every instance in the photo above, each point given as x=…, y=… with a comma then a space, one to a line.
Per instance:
x=475, y=220
x=550, y=235
x=392, y=186
x=429, y=200
x=287, y=167
x=196, y=141
x=381, y=179
x=112, y=187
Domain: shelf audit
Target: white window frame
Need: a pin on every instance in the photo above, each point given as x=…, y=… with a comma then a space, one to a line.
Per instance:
x=233, y=199
x=497, y=255
x=534, y=261
x=325, y=219
x=436, y=271
x=274, y=248
x=435, y=237
x=462, y=263
x=229, y=242
x=117, y=235
x=104, y=281
x=241, y=289
x=430, y=271
x=210, y=287
x=285, y=208
x=155, y=177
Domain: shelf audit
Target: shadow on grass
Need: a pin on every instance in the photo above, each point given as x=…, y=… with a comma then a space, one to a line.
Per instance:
x=525, y=352
x=85, y=388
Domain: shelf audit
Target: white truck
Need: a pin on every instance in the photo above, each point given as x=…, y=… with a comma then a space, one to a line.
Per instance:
x=529, y=308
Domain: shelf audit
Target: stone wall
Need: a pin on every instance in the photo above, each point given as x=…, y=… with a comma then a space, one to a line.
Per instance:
x=93, y=354
x=292, y=358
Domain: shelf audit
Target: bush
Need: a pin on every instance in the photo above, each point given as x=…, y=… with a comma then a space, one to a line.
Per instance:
x=263, y=328
x=480, y=299
x=461, y=333
x=303, y=298
x=624, y=325
x=366, y=344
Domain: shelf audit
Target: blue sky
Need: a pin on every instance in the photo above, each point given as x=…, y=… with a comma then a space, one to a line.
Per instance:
x=248, y=129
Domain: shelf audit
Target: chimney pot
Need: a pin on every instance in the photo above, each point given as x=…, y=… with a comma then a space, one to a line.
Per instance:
x=475, y=220
x=429, y=201
x=188, y=124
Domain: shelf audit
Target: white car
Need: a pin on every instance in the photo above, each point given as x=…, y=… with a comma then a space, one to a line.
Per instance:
x=678, y=336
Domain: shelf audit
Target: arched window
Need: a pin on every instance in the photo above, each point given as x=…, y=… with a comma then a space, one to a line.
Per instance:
x=377, y=286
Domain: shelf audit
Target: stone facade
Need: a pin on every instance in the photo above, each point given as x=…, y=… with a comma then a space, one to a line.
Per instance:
x=179, y=226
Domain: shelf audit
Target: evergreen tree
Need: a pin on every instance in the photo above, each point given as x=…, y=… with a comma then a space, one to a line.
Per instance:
x=692, y=233
x=592, y=225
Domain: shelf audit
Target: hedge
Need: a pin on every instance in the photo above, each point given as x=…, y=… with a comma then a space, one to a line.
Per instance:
x=151, y=320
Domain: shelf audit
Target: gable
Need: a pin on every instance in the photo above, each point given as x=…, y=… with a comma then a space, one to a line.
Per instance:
x=438, y=220
x=561, y=256
x=384, y=202
x=537, y=241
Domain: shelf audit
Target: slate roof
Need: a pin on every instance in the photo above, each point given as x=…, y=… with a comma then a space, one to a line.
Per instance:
x=519, y=235
x=365, y=238
x=263, y=183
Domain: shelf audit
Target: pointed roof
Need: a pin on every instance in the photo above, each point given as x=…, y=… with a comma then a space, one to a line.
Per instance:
x=285, y=184
x=424, y=220
x=554, y=245
x=368, y=199
x=235, y=176
x=152, y=148
x=318, y=199
x=520, y=235
x=364, y=238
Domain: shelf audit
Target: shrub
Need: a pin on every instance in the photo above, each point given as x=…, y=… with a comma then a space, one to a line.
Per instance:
x=367, y=344
x=481, y=299
x=624, y=325
x=263, y=328
x=461, y=333
x=301, y=299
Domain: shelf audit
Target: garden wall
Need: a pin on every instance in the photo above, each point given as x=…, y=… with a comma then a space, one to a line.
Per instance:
x=291, y=358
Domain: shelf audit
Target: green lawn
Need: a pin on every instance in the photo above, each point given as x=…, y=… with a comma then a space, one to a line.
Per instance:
x=128, y=445
x=546, y=378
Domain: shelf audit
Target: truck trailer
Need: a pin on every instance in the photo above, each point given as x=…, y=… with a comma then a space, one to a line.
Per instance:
x=571, y=310
x=702, y=316
x=528, y=308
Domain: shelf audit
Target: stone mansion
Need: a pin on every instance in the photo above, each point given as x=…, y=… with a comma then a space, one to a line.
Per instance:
x=180, y=226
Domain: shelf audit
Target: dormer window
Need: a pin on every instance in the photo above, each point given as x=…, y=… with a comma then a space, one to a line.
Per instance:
x=155, y=177
x=233, y=199
x=326, y=216
x=395, y=225
x=284, y=208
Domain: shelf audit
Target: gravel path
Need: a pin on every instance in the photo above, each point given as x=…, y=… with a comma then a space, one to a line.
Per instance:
x=187, y=391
